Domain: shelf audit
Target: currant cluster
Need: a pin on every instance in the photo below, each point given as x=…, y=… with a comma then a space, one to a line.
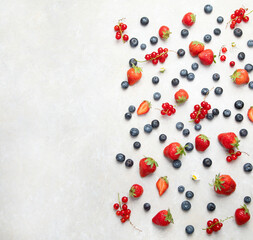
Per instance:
x=160, y=55
x=233, y=155
x=223, y=57
x=120, y=28
x=122, y=209
x=213, y=226
x=238, y=16
x=167, y=109
x=200, y=111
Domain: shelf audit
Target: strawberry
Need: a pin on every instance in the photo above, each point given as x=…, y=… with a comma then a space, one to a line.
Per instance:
x=201, y=142
x=224, y=184
x=173, y=151
x=242, y=215
x=240, y=76
x=144, y=107
x=136, y=191
x=195, y=48
x=181, y=96
x=229, y=140
x=189, y=19
x=162, y=185
x=250, y=114
x=206, y=57
x=134, y=75
x=164, y=32
x=147, y=166
x=163, y=218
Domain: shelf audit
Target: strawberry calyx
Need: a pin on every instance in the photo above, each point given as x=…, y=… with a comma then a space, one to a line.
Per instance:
x=180, y=150
x=151, y=162
x=220, y=221
x=193, y=18
x=168, y=217
x=132, y=192
x=181, y=99
x=214, y=56
x=236, y=144
x=235, y=75
x=165, y=178
x=197, y=43
x=203, y=137
x=217, y=183
x=244, y=207
x=166, y=34
x=136, y=69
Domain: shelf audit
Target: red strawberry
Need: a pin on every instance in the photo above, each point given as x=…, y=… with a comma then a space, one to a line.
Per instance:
x=144, y=107
x=201, y=142
x=195, y=48
x=224, y=184
x=136, y=191
x=250, y=114
x=164, y=32
x=189, y=19
x=162, y=185
x=242, y=215
x=181, y=96
x=173, y=151
x=163, y=218
x=134, y=75
x=206, y=57
x=229, y=140
x=240, y=76
x=147, y=166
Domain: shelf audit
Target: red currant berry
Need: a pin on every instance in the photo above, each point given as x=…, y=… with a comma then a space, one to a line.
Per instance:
x=125, y=37
x=193, y=115
x=216, y=227
x=123, y=212
x=124, y=27
x=153, y=54
x=162, y=59
x=124, y=199
x=118, y=36
x=169, y=113
x=229, y=159
x=232, y=64
x=116, y=206
x=238, y=153
x=165, y=55
x=234, y=157
x=238, y=20
x=233, y=22
x=197, y=120
x=222, y=58
x=160, y=50
x=123, y=220
x=147, y=57
x=118, y=213
x=127, y=217
x=204, y=111
x=163, y=112
x=231, y=151
x=232, y=26
x=154, y=61
x=224, y=49
x=221, y=224
x=209, y=230
x=173, y=111
x=232, y=16
x=208, y=107
x=170, y=107
x=167, y=105
x=237, y=12
x=128, y=211
x=196, y=107
x=246, y=19
x=203, y=104
x=215, y=220
x=209, y=223
x=201, y=116
x=124, y=207
x=116, y=28
x=165, y=50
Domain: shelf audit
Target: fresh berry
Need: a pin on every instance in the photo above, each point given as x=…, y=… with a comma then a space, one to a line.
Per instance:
x=174, y=82
x=189, y=19
x=177, y=163
x=242, y=215
x=131, y=109
x=223, y=58
x=173, y=151
x=120, y=157
x=188, y=147
x=133, y=42
x=157, y=96
x=146, y=206
x=124, y=84
x=208, y=8
x=224, y=184
x=195, y=66
x=218, y=91
x=162, y=138
x=147, y=166
x=144, y=21
x=209, y=116
x=116, y=206
x=224, y=49
x=184, y=33
x=155, y=80
x=181, y=96
x=129, y=163
x=180, y=189
x=197, y=127
x=162, y=185
x=186, y=132
x=163, y=218
x=238, y=32
x=247, y=199
x=143, y=46
x=215, y=112
x=239, y=104
x=125, y=37
x=148, y=128
x=180, y=52
x=164, y=32
x=136, y=191
x=189, y=194
x=153, y=40
x=189, y=229
x=243, y=132
x=144, y=107
x=250, y=43
x=134, y=132
x=229, y=140
x=206, y=57
x=179, y=126
x=155, y=123
x=251, y=85
x=204, y=91
x=183, y=73
x=137, y=145
x=247, y=167
x=250, y=114
x=220, y=19
x=238, y=117
x=217, y=31
x=195, y=48
x=132, y=62
x=248, y=67
x=186, y=205
x=241, y=56
x=134, y=75
x=216, y=77
x=201, y=143
x=211, y=207
x=232, y=64
x=207, y=38
x=190, y=76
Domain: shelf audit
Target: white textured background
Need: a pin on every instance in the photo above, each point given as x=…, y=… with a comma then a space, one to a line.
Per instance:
x=62, y=120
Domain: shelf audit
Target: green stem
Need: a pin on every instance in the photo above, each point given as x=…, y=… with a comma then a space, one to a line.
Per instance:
x=155, y=57
x=218, y=223
x=249, y=13
x=119, y=201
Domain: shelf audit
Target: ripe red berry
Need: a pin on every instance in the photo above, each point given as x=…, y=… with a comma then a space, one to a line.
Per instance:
x=123, y=27
x=124, y=199
x=231, y=151
x=208, y=107
x=229, y=159
x=232, y=26
x=160, y=50
x=201, y=116
x=173, y=110
x=221, y=224
x=222, y=58
x=116, y=206
x=128, y=211
x=169, y=113
x=204, y=111
x=193, y=115
x=232, y=16
x=232, y=64
x=123, y=220
x=165, y=50
x=154, y=61
x=197, y=120
x=118, y=36
x=233, y=22
x=209, y=230
x=123, y=212
x=216, y=227
x=246, y=19
x=166, y=105
x=153, y=54
x=162, y=59
x=147, y=57
x=116, y=28
x=238, y=153
x=196, y=107
x=127, y=217
x=234, y=157
x=165, y=55
x=125, y=37
x=209, y=223
x=215, y=220
x=163, y=112
x=118, y=213
x=124, y=207
x=238, y=20
x=203, y=104
x=237, y=12
x=224, y=49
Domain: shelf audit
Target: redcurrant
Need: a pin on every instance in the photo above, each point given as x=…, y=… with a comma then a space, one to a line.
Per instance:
x=238, y=20
x=193, y=115
x=147, y=57
x=124, y=207
x=116, y=28
x=231, y=151
x=127, y=217
x=128, y=211
x=123, y=220
x=224, y=49
x=209, y=223
x=124, y=199
x=197, y=120
x=118, y=36
x=232, y=16
x=229, y=159
x=162, y=59
x=118, y=213
x=125, y=37
x=222, y=58
x=123, y=27
x=233, y=156
x=237, y=12
x=163, y=112
x=160, y=50
x=209, y=230
x=246, y=19
x=154, y=61
x=196, y=107
x=232, y=26
x=116, y=206
x=238, y=153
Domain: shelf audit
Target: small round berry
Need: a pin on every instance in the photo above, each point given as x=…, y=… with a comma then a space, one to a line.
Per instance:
x=124, y=207
x=215, y=112
x=207, y=38
x=189, y=194
x=223, y=58
x=118, y=36
x=179, y=126
x=211, y=207
x=133, y=42
x=207, y=162
x=157, y=96
x=208, y=8
x=162, y=138
x=186, y=132
x=137, y=145
x=177, y=163
x=190, y=76
x=125, y=37
x=129, y=163
x=148, y=128
x=247, y=199
x=118, y=213
x=218, y=90
x=226, y=113
x=232, y=64
x=134, y=132
x=183, y=73
x=124, y=84
x=131, y=108
x=243, y=132
x=246, y=19
x=248, y=67
x=238, y=32
x=116, y=206
x=184, y=33
x=120, y=157
x=180, y=52
x=153, y=40
x=209, y=230
x=251, y=85
x=188, y=147
x=220, y=19
x=132, y=62
x=189, y=229
x=210, y=116
x=128, y=115
x=241, y=56
x=155, y=123
x=229, y=159
x=239, y=104
x=122, y=220
x=197, y=127
x=238, y=117
x=143, y=46
x=155, y=80
x=186, y=205
x=195, y=66
x=144, y=21
x=216, y=77
x=247, y=167
x=217, y=31
x=174, y=82
x=180, y=188
x=250, y=43
x=238, y=153
x=205, y=91
x=146, y=206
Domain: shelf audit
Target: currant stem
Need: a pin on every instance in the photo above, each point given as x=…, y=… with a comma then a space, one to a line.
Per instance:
x=245, y=153
x=119, y=201
x=208, y=93
x=135, y=226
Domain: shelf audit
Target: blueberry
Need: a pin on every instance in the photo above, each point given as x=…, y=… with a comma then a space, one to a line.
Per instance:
x=134, y=132
x=137, y=145
x=241, y=56
x=218, y=90
x=211, y=207
x=195, y=66
x=243, y=132
x=155, y=123
x=179, y=126
x=247, y=167
x=129, y=163
x=207, y=162
x=131, y=108
x=184, y=33
x=205, y=91
x=190, y=76
x=226, y=113
x=143, y=46
x=188, y=147
x=128, y=115
x=189, y=229
x=216, y=77
x=238, y=32
x=174, y=82
x=186, y=205
x=208, y=8
x=157, y=96
x=215, y=112
x=183, y=73
x=120, y=157
x=180, y=52
x=148, y=128
x=209, y=116
x=189, y=194
x=124, y=84
x=177, y=163
x=207, y=38
x=239, y=104
x=146, y=206
x=162, y=138
x=250, y=43
x=132, y=62
x=197, y=127
x=186, y=132
x=220, y=19
x=217, y=31
x=248, y=67
x=251, y=85
x=133, y=42
x=247, y=199
x=155, y=80
x=238, y=117
x=153, y=40
x=180, y=189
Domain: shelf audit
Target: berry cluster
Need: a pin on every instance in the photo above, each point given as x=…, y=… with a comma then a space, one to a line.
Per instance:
x=233, y=155
x=200, y=111
x=122, y=210
x=120, y=28
x=238, y=16
x=223, y=57
x=167, y=109
x=213, y=226
x=160, y=55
